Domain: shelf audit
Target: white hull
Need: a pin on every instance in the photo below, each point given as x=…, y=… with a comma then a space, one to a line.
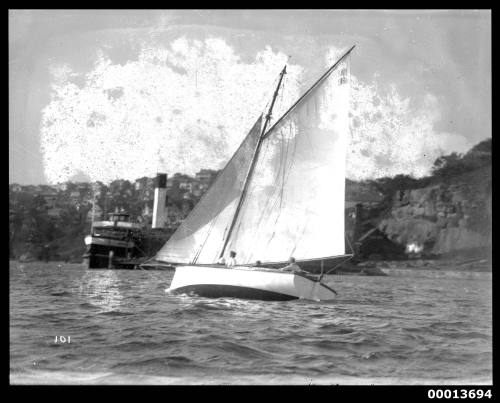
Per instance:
x=248, y=283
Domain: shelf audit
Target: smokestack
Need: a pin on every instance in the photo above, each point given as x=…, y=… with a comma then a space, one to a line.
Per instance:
x=159, y=209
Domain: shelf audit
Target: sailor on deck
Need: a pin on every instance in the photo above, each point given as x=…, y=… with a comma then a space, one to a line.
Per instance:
x=292, y=266
x=231, y=262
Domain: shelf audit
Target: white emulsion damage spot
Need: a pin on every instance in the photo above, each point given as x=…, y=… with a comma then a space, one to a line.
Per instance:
x=188, y=106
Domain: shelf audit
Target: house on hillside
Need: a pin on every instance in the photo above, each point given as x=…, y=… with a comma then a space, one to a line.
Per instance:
x=147, y=195
x=175, y=216
x=197, y=192
x=50, y=199
x=97, y=213
x=185, y=182
x=206, y=176
x=143, y=183
x=55, y=213
x=186, y=206
x=74, y=198
x=186, y=185
x=15, y=188
x=147, y=212
x=62, y=187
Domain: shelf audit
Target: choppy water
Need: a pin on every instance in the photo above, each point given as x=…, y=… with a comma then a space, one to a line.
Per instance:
x=124, y=328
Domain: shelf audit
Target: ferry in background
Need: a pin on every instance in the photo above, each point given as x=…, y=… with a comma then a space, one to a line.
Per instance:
x=118, y=243
x=111, y=241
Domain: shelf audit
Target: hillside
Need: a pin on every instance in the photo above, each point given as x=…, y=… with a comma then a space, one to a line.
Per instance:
x=445, y=218
x=447, y=214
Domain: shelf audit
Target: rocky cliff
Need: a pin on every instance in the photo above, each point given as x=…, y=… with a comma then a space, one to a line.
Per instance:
x=444, y=218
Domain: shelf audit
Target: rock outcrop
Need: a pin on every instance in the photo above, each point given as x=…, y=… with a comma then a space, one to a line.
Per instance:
x=443, y=218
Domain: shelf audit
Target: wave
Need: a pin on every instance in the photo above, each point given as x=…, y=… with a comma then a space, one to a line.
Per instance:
x=61, y=293
x=414, y=329
x=158, y=364
x=115, y=313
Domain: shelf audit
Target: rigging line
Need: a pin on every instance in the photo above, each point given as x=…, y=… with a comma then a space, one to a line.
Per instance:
x=281, y=164
x=253, y=162
x=287, y=168
x=281, y=97
x=24, y=149
x=272, y=195
x=309, y=91
x=276, y=198
x=148, y=258
x=349, y=242
x=198, y=252
x=252, y=189
x=212, y=224
x=304, y=83
x=273, y=198
x=334, y=267
x=211, y=227
x=284, y=161
x=291, y=163
x=301, y=235
x=149, y=274
x=265, y=213
x=283, y=157
x=286, y=172
x=210, y=190
x=267, y=97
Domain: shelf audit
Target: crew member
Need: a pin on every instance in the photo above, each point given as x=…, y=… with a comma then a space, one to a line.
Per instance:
x=292, y=266
x=231, y=262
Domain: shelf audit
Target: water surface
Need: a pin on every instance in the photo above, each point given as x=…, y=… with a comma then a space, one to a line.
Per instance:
x=410, y=327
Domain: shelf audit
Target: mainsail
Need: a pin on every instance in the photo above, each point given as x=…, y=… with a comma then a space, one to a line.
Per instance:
x=198, y=239
x=294, y=199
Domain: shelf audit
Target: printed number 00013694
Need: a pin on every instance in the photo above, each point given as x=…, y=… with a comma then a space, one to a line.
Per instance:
x=459, y=394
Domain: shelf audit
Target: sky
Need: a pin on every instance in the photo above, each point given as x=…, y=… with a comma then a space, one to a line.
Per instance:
x=108, y=94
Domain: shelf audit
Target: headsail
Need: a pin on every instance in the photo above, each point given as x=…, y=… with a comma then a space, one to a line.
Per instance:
x=199, y=238
x=295, y=200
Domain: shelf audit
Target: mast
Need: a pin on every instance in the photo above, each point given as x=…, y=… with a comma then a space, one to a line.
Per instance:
x=252, y=164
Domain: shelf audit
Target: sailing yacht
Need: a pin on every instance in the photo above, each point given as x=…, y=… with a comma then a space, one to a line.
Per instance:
x=281, y=195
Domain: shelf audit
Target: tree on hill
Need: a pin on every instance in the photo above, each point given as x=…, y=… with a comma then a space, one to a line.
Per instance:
x=482, y=147
x=387, y=185
x=448, y=166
